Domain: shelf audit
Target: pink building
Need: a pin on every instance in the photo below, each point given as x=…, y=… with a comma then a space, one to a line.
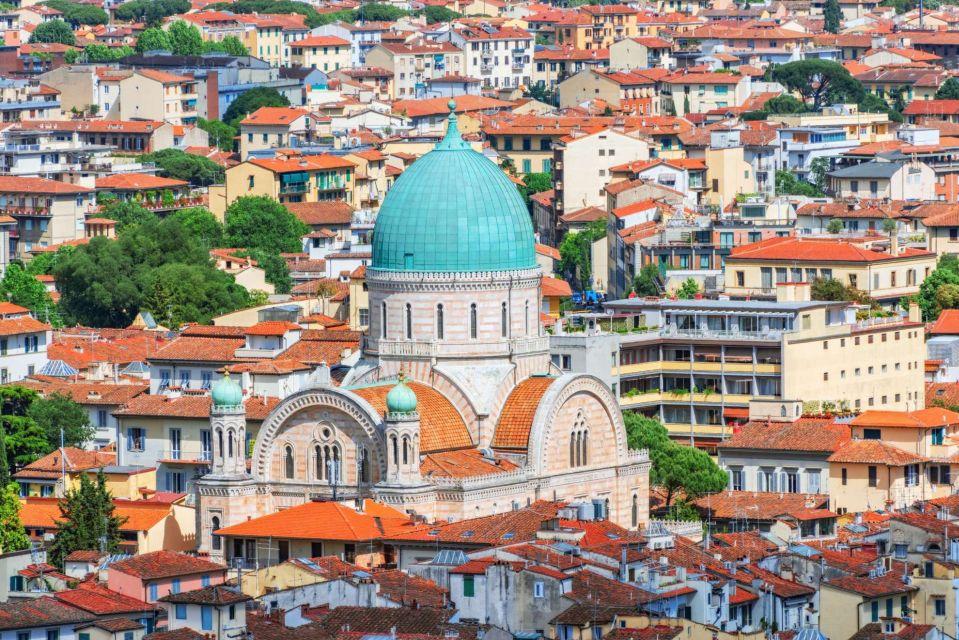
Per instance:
x=150, y=576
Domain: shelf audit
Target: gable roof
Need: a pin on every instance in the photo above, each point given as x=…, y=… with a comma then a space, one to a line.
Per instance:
x=164, y=564
x=324, y=521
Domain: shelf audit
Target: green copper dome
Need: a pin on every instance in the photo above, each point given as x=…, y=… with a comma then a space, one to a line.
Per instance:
x=453, y=210
x=226, y=392
x=401, y=399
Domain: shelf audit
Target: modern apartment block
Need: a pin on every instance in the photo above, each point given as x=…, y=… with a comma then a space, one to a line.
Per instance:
x=696, y=364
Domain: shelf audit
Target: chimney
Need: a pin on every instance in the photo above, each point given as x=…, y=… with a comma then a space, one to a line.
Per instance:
x=915, y=315
x=894, y=242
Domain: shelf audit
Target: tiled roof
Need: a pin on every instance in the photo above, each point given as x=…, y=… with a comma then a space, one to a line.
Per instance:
x=113, y=625
x=101, y=601
x=69, y=458
x=946, y=393
x=85, y=555
x=463, y=463
x=436, y=106
x=183, y=633
x=513, y=526
x=327, y=346
x=274, y=116
x=272, y=328
x=163, y=76
x=820, y=250
x=441, y=425
x=43, y=611
x=216, y=595
x=947, y=324
x=83, y=348
x=931, y=108
x=805, y=434
x=652, y=632
x=201, y=349
x=516, y=418
x=591, y=613
x=137, y=181
x=555, y=288
x=87, y=393
x=320, y=41
x=381, y=620
x=874, y=452
x=23, y=324
x=920, y=419
x=410, y=590
x=303, y=163
x=137, y=515
x=191, y=406
x=728, y=505
x=872, y=587
x=324, y=521
x=586, y=214
x=164, y=564
x=590, y=588
x=750, y=545
x=546, y=250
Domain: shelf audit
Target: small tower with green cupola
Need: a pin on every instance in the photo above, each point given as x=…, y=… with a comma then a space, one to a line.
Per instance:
x=228, y=426
x=402, y=435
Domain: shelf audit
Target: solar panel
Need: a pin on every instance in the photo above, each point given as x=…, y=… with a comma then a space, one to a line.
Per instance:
x=467, y=534
x=450, y=557
x=509, y=536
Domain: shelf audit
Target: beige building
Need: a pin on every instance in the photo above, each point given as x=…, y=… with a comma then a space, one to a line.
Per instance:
x=756, y=269
x=276, y=127
x=326, y=53
x=583, y=162
x=884, y=180
x=862, y=600
x=47, y=212
x=359, y=301
x=245, y=271
x=630, y=90
x=415, y=63
x=149, y=94
x=728, y=174
x=699, y=92
x=287, y=179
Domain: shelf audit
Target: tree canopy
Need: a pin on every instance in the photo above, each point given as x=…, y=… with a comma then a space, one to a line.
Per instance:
x=53, y=31
x=832, y=16
x=644, y=284
x=220, y=133
x=95, y=53
x=676, y=468
x=126, y=213
x=13, y=537
x=151, y=12
x=535, y=183
x=259, y=222
x=58, y=411
x=575, y=252
x=185, y=39
x=202, y=225
x=230, y=44
x=30, y=425
x=788, y=184
x=436, y=13
x=948, y=90
x=819, y=82
x=180, y=165
x=87, y=520
x=940, y=289
x=19, y=286
x=153, y=39
x=312, y=17
x=79, y=14
x=249, y=101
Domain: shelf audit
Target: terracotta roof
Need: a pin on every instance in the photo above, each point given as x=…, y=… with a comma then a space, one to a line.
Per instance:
x=163, y=76
x=426, y=621
x=85, y=555
x=191, y=406
x=874, y=452
x=137, y=181
x=750, y=545
x=590, y=588
x=274, y=116
x=820, y=250
x=438, y=106
x=516, y=418
x=931, y=108
x=22, y=184
x=586, y=214
x=555, y=288
x=183, y=633
x=303, y=163
x=201, y=349
x=410, y=590
x=43, y=611
x=22, y=324
x=441, y=425
x=324, y=521
x=513, y=526
x=921, y=419
x=652, y=632
x=101, y=601
x=69, y=458
x=463, y=463
x=320, y=41
x=322, y=213
x=164, y=564
x=216, y=595
x=947, y=324
x=546, y=250
x=728, y=505
x=872, y=587
x=806, y=434
x=138, y=515
x=272, y=328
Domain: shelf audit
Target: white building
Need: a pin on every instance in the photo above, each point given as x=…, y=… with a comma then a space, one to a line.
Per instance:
x=501, y=58
x=23, y=343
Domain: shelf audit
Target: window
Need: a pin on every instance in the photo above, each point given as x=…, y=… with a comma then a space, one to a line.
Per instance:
x=874, y=610
x=181, y=612
x=939, y=605
x=873, y=476
x=206, y=618
x=232, y=612
x=872, y=434
x=937, y=435
x=383, y=320
x=440, y=329
x=136, y=437
x=288, y=464
x=409, y=322
x=153, y=591
x=469, y=587
x=792, y=482
x=53, y=634
x=845, y=476
x=538, y=589
x=736, y=479
x=16, y=583
x=504, y=321
x=473, y=321
x=912, y=475
x=205, y=578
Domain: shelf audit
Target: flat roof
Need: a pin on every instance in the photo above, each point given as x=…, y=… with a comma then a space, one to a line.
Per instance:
x=715, y=305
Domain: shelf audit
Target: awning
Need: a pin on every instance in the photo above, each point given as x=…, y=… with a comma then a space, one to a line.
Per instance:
x=735, y=412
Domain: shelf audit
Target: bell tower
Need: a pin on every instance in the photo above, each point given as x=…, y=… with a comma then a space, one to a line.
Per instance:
x=402, y=436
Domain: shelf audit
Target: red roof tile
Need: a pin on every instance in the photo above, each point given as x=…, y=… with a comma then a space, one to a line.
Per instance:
x=165, y=564
x=516, y=418
x=324, y=521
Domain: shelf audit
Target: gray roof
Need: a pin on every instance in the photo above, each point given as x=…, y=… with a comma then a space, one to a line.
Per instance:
x=871, y=169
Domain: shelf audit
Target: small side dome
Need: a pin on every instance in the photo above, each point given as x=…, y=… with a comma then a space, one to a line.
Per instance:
x=226, y=392
x=401, y=398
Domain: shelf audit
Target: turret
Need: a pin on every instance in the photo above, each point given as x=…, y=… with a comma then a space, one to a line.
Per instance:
x=228, y=423
x=402, y=435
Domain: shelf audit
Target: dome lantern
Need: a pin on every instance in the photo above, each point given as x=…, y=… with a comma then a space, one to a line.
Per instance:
x=401, y=399
x=226, y=393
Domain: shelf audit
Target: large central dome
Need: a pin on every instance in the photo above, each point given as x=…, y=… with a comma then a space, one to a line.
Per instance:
x=453, y=210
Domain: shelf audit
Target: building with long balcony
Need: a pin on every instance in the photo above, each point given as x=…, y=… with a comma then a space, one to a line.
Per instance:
x=46, y=212
x=500, y=57
x=696, y=364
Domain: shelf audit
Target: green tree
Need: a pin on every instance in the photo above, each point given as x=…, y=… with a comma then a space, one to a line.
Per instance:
x=645, y=282
x=871, y=103
x=276, y=271
x=19, y=286
x=185, y=39
x=233, y=46
x=259, y=222
x=87, y=520
x=58, y=411
x=220, y=133
x=575, y=252
x=819, y=170
x=535, y=183
x=785, y=104
x=832, y=16
x=435, y=13
x=153, y=39
x=180, y=165
x=541, y=93
x=102, y=53
x=13, y=537
x=687, y=290
x=940, y=289
x=202, y=225
x=820, y=82
x=151, y=12
x=835, y=226
x=789, y=184
x=79, y=14
x=53, y=31
x=177, y=293
x=24, y=441
x=4, y=461
x=830, y=289
x=96, y=283
x=675, y=467
x=126, y=213
x=948, y=90
x=378, y=12
x=249, y=101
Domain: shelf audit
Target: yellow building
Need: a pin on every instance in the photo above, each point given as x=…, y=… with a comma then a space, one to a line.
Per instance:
x=894, y=460
x=265, y=39
x=287, y=179
x=359, y=300
x=860, y=126
x=728, y=174
x=597, y=26
x=149, y=94
x=862, y=600
x=60, y=471
x=326, y=53
x=756, y=269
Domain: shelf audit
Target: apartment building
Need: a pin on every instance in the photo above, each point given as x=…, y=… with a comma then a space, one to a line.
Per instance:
x=582, y=164
x=502, y=57
x=275, y=127
x=597, y=26
x=47, y=212
x=697, y=364
x=23, y=343
x=361, y=36
x=885, y=180
x=700, y=92
x=414, y=63
x=28, y=100
x=287, y=178
x=149, y=94
x=632, y=91
x=757, y=269
x=326, y=53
